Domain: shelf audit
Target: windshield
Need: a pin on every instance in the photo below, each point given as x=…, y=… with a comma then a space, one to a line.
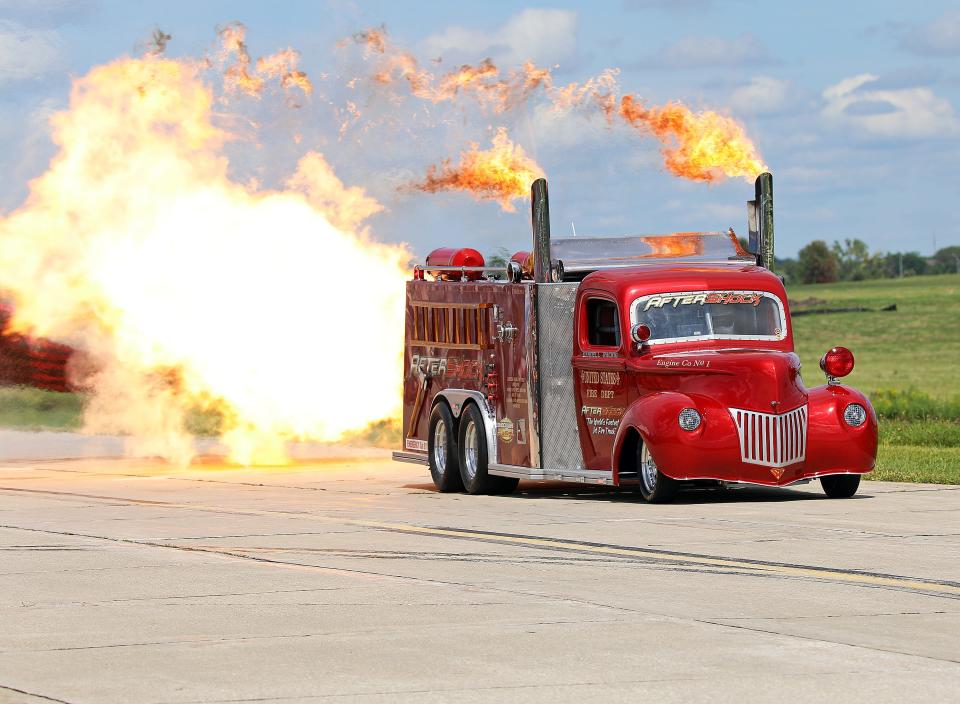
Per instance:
x=713, y=315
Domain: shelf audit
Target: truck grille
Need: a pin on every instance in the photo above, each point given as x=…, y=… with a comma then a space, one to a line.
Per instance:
x=772, y=440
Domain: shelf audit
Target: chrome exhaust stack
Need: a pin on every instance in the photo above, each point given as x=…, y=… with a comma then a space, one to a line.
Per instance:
x=540, y=211
x=760, y=221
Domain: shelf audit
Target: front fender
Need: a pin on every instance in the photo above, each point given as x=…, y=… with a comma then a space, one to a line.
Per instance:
x=655, y=418
x=835, y=447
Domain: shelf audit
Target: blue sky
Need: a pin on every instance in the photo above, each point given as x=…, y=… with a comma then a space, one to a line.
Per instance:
x=854, y=106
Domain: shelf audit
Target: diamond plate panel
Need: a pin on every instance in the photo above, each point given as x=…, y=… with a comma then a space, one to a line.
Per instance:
x=559, y=441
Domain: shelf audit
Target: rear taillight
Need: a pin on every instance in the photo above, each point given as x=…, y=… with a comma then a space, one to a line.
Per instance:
x=837, y=362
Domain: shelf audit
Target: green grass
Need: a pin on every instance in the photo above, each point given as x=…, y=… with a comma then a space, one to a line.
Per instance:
x=916, y=347
x=906, y=362
x=930, y=433
x=35, y=409
x=917, y=463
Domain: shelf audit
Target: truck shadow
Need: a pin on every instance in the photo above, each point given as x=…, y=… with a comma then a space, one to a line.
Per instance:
x=694, y=495
x=697, y=495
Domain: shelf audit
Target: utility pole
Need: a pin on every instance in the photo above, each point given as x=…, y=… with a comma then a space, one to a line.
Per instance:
x=900, y=255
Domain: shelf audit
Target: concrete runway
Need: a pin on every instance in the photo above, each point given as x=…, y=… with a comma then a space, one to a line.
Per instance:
x=351, y=579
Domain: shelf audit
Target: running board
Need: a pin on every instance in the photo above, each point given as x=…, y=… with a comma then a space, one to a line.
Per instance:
x=584, y=476
x=413, y=457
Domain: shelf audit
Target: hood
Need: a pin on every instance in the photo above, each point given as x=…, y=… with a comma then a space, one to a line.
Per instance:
x=767, y=381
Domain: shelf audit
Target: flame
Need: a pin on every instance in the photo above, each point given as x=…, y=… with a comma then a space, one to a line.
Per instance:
x=679, y=244
x=188, y=289
x=701, y=146
x=502, y=173
x=238, y=77
x=482, y=82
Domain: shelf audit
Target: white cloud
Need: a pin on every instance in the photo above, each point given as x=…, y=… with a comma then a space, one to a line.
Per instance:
x=706, y=52
x=26, y=54
x=762, y=95
x=899, y=113
x=543, y=36
x=938, y=38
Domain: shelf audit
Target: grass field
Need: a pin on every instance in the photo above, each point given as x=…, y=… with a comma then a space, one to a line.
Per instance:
x=906, y=361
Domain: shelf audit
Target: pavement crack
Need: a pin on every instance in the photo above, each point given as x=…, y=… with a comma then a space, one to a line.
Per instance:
x=33, y=694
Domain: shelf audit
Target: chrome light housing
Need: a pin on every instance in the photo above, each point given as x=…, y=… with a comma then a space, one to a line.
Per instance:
x=689, y=419
x=855, y=415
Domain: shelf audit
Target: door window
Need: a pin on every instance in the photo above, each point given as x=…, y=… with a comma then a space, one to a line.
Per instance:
x=603, y=323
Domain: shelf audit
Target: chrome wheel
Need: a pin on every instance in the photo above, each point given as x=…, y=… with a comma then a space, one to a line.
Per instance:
x=648, y=470
x=440, y=446
x=470, y=453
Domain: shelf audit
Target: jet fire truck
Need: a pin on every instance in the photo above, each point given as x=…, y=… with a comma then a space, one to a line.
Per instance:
x=651, y=362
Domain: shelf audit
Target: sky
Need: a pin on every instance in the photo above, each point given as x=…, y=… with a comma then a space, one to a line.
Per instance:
x=852, y=105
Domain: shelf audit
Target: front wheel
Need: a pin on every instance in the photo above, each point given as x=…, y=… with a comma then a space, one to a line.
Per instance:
x=655, y=486
x=442, y=450
x=840, y=486
x=473, y=457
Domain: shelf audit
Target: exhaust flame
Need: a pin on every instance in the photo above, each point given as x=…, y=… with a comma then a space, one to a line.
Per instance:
x=703, y=146
x=187, y=289
x=237, y=76
x=502, y=173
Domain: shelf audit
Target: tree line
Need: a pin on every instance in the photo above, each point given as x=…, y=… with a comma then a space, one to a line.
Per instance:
x=852, y=260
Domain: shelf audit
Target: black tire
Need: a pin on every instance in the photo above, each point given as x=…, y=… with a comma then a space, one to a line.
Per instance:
x=443, y=456
x=472, y=442
x=840, y=486
x=655, y=487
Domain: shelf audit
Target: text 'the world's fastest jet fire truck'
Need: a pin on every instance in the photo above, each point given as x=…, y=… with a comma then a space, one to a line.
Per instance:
x=651, y=362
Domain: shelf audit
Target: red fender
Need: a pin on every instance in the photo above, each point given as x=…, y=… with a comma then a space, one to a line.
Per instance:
x=835, y=446
x=654, y=416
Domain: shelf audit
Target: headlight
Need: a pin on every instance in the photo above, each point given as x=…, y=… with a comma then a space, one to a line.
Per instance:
x=855, y=414
x=689, y=419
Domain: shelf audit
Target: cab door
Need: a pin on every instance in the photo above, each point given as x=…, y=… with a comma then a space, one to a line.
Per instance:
x=599, y=378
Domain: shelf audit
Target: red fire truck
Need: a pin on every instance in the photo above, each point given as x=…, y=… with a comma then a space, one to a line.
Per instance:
x=652, y=362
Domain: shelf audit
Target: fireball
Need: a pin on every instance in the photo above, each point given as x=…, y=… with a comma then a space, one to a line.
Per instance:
x=187, y=289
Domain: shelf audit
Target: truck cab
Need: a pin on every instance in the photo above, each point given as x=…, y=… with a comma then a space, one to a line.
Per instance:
x=651, y=361
x=689, y=373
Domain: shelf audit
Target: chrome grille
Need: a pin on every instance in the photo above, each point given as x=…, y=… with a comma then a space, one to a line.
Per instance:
x=772, y=440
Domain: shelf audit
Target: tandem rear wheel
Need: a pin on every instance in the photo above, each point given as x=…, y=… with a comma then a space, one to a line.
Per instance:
x=840, y=486
x=442, y=454
x=472, y=442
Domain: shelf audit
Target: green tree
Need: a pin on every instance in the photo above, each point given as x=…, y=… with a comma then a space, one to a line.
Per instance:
x=500, y=259
x=788, y=269
x=946, y=261
x=817, y=264
x=909, y=263
x=855, y=261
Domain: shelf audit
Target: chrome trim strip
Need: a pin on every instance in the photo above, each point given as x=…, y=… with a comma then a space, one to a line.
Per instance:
x=585, y=476
x=413, y=457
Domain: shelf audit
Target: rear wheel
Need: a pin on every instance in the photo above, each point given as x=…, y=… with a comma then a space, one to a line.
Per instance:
x=473, y=457
x=655, y=486
x=840, y=486
x=442, y=450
